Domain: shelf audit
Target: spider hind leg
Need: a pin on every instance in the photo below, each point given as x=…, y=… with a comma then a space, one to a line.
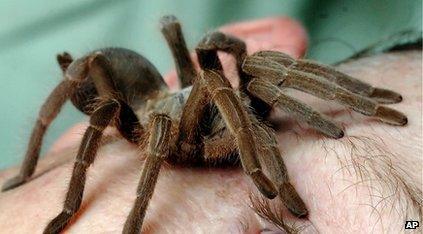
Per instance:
x=48, y=112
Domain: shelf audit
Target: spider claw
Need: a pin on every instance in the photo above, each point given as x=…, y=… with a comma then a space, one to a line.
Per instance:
x=328, y=128
x=385, y=96
x=292, y=200
x=13, y=183
x=339, y=134
x=391, y=116
x=58, y=223
x=348, y=82
x=64, y=60
x=168, y=21
x=265, y=186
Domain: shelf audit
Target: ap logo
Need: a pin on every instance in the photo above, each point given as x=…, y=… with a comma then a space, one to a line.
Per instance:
x=411, y=224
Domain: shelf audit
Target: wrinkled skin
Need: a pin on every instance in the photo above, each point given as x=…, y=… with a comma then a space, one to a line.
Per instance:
x=338, y=197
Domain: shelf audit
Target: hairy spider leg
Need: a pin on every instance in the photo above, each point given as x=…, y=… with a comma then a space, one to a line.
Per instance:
x=348, y=82
x=99, y=120
x=218, y=41
x=157, y=152
x=106, y=112
x=285, y=77
x=239, y=124
x=48, y=112
x=271, y=160
x=267, y=152
x=171, y=29
x=190, y=141
x=274, y=97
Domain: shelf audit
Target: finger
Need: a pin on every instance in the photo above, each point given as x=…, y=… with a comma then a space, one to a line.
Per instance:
x=276, y=33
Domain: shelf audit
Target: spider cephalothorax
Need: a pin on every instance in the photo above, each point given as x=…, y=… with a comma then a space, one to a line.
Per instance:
x=207, y=123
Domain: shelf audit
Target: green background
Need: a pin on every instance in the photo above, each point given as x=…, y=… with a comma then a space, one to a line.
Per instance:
x=33, y=32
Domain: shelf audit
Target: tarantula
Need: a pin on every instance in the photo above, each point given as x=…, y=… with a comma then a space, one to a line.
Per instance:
x=206, y=124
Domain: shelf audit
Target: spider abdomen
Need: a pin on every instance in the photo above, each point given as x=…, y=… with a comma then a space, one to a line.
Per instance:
x=135, y=78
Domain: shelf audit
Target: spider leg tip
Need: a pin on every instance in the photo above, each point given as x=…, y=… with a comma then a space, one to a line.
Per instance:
x=168, y=22
x=399, y=98
x=293, y=201
x=391, y=116
x=269, y=193
x=299, y=211
x=339, y=134
x=404, y=121
x=58, y=223
x=386, y=96
x=264, y=185
x=12, y=183
x=302, y=215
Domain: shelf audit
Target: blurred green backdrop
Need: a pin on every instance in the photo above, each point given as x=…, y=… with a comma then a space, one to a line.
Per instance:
x=33, y=32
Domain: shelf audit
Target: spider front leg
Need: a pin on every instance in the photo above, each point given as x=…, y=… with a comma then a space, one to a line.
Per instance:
x=271, y=159
x=239, y=124
x=218, y=41
x=282, y=76
x=273, y=96
x=48, y=112
x=157, y=152
x=190, y=141
x=347, y=82
x=235, y=117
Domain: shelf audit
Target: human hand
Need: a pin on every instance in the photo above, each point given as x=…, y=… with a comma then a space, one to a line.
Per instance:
x=361, y=183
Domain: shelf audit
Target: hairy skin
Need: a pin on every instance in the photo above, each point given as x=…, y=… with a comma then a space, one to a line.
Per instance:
x=368, y=181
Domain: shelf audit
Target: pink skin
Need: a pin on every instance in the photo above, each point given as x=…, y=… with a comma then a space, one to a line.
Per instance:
x=216, y=201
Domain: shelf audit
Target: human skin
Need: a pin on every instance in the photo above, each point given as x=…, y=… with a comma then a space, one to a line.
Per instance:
x=361, y=183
